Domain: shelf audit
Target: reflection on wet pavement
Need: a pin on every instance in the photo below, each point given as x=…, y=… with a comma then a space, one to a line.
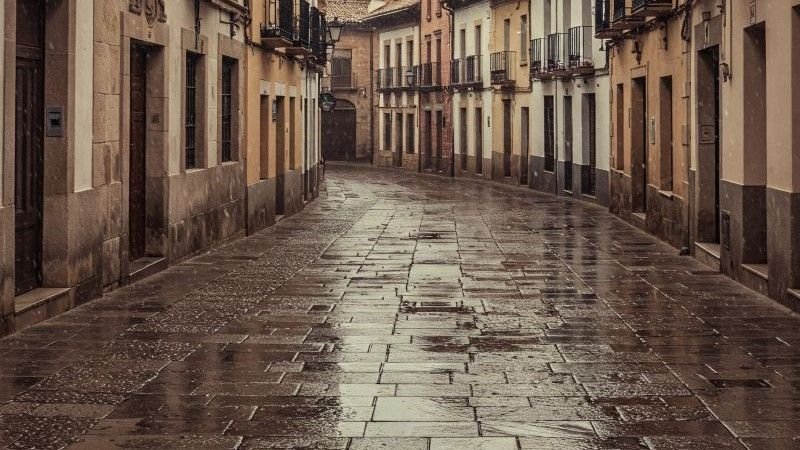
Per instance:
x=411, y=312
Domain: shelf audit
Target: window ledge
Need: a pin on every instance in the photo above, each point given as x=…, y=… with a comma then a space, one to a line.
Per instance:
x=667, y=194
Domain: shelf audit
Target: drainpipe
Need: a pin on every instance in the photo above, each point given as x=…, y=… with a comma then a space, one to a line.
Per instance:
x=451, y=12
x=371, y=97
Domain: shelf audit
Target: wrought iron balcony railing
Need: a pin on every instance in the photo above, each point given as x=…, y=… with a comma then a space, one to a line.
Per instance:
x=649, y=8
x=536, y=56
x=465, y=70
x=502, y=66
x=279, y=19
x=556, y=52
x=473, y=69
x=579, y=51
x=429, y=75
x=343, y=81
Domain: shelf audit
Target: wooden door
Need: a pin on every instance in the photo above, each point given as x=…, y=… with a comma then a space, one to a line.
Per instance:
x=506, y=138
x=280, y=155
x=138, y=154
x=439, y=140
x=568, y=143
x=29, y=146
x=479, y=140
x=524, y=145
x=428, y=139
x=339, y=134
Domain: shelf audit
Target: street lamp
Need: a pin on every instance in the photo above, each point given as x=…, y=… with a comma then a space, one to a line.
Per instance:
x=335, y=31
x=411, y=77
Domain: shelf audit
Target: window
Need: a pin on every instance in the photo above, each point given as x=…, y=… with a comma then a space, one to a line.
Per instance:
x=478, y=47
x=439, y=8
x=342, y=68
x=387, y=131
x=462, y=43
x=523, y=39
x=507, y=34
x=409, y=53
x=227, y=92
x=410, y=127
x=428, y=10
x=191, y=128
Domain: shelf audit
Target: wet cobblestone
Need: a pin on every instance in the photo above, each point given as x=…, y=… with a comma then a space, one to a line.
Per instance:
x=412, y=312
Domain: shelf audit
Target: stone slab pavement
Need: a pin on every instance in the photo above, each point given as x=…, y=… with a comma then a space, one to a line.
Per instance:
x=405, y=311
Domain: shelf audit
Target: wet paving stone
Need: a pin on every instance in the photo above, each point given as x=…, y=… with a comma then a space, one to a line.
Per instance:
x=412, y=312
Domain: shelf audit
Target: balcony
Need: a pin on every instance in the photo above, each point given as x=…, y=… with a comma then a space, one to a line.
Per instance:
x=501, y=68
x=294, y=26
x=536, y=57
x=579, y=51
x=602, y=20
x=556, y=54
x=465, y=72
x=651, y=8
x=343, y=82
x=318, y=31
x=429, y=75
x=385, y=78
x=622, y=17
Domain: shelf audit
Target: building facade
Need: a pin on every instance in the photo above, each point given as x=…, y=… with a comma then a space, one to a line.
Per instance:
x=397, y=112
x=745, y=182
x=348, y=130
x=140, y=108
x=509, y=121
x=569, y=98
x=469, y=81
x=433, y=73
x=282, y=115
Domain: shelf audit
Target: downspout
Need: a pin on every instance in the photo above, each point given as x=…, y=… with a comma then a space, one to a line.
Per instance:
x=451, y=12
x=371, y=96
x=555, y=117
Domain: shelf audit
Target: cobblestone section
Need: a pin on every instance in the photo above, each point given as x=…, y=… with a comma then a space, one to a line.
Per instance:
x=410, y=312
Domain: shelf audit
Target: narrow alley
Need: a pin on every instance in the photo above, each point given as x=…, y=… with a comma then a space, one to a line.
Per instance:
x=408, y=311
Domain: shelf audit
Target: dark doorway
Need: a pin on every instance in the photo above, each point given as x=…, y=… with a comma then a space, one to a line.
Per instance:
x=639, y=145
x=462, y=118
x=589, y=178
x=339, y=132
x=439, y=139
x=708, y=117
x=524, y=145
x=507, y=138
x=138, y=154
x=280, y=155
x=549, y=134
x=398, y=151
x=568, y=143
x=479, y=140
x=428, y=140
x=29, y=146
x=665, y=133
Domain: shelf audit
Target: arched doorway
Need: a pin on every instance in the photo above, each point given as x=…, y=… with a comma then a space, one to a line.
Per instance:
x=339, y=132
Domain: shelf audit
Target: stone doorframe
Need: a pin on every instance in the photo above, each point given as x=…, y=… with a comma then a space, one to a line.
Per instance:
x=58, y=171
x=135, y=31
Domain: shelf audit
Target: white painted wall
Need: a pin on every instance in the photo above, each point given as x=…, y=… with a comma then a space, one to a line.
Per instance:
x=83, y=81
x=466, y=19
x=557, y=16
x=406, y=101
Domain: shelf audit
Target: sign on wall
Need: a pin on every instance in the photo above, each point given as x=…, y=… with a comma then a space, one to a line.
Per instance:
x=327, y=102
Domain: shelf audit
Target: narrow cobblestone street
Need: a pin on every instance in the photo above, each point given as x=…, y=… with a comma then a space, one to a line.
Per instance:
x=406, y=311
